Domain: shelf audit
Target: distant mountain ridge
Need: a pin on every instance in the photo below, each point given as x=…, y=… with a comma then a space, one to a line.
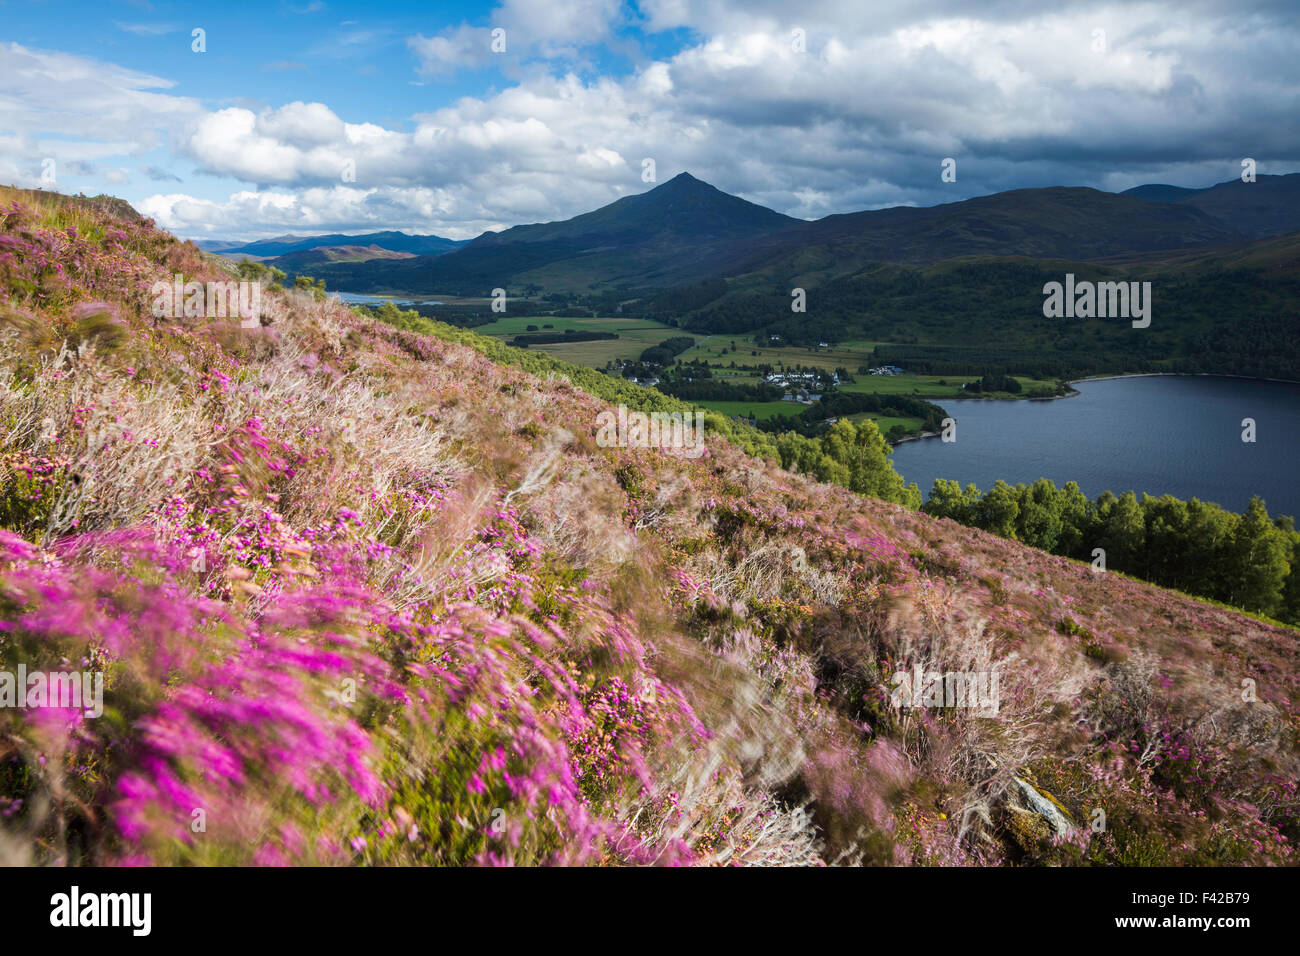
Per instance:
x=1056, y=222
x=1268, y=207
x=684, y=207
x=685, y=231
x=282, y=245
x=672, y=233
x=303, y=258
x=1161, y=192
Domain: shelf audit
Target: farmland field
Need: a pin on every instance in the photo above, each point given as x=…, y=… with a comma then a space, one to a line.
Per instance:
x=760, y=410
x=515, y=324
x=934, y=387
x=886, y=422
x=634, y=336
x=765, y=410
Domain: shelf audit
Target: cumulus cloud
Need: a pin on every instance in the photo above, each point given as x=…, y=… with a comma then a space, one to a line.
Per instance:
x=855, y=116
x=300, y=143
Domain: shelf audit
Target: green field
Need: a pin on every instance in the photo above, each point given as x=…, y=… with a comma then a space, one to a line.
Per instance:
x=850, y=356
x=634, y=336
x=515, y=324
x=711, y=348
x=931, y=387
x=765, y=410
x=923, y=386
x=886, y=422
x=760, y=410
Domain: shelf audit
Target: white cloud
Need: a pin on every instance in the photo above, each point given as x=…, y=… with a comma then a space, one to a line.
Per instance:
x=302, y=124
x=550, y=27
x=71, y=108
x=146, y=29
x=532, y=29
x=323, y=209
x=454, y=49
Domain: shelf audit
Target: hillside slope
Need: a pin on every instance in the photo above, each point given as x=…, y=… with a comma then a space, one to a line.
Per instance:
x=1269, y=206
x=364, y=596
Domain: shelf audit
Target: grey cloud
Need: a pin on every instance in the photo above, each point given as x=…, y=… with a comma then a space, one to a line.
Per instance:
x=160, y=175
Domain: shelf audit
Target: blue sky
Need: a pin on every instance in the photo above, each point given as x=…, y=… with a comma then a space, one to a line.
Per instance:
x=316, y=116
x=352, y=56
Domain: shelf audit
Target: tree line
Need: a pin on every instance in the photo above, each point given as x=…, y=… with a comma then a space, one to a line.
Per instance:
x=1247, y=560
x=836, y=404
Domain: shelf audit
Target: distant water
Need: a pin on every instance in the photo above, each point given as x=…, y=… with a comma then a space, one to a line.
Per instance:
x=1178, y=435
x=355, y=298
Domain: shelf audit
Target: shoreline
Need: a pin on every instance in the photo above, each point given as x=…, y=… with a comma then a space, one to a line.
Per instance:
x=1248, y=378
x=895, y=444
x=1098, y=378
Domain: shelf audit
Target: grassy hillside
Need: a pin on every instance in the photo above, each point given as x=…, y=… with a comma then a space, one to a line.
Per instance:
x=363, y=595
x=1232, y=310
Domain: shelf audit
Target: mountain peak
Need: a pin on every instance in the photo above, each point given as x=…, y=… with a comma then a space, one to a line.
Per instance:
x=685, y=183
x=683, y=210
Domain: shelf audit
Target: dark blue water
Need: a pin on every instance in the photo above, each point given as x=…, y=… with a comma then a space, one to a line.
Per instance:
x=1177, y=435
